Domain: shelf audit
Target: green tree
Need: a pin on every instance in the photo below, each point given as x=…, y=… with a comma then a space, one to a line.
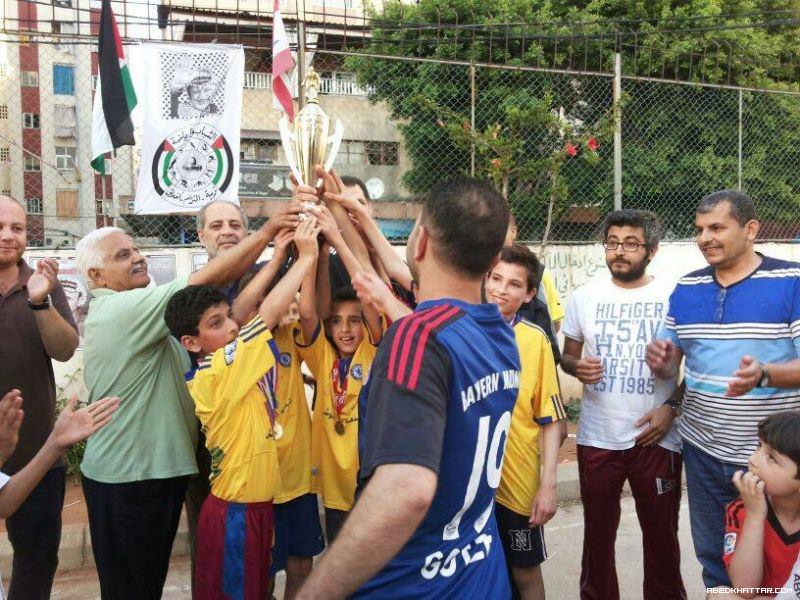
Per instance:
x=679, y=142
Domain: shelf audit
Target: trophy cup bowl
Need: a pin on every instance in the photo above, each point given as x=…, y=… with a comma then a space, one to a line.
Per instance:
x=309, y=142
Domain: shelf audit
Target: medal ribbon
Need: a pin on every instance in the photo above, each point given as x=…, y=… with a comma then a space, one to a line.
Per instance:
x=339, y=383
x=268, y=384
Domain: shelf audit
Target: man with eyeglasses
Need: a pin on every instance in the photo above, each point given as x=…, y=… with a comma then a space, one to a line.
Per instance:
x=742, y=303
x=626, y=429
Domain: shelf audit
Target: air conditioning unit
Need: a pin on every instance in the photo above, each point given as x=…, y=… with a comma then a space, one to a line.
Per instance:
x=63, y=3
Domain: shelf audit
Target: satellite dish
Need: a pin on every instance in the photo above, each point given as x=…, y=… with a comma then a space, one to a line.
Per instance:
x=375, y=188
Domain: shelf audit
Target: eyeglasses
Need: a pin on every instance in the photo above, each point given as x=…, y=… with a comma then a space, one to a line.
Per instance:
x=627, y=245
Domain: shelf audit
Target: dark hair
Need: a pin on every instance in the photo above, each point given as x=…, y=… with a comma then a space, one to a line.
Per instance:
x=345, y=293
x=741, y=206
x=468, y=220
x=518, y=254
x=352, y=180
x=642, y=219
x=782, y=432
x=186, y=307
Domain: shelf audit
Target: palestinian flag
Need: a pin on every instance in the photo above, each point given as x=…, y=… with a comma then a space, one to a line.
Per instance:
x=114, y=97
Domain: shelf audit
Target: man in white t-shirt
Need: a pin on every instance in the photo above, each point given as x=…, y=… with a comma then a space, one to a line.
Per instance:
x=626, y=428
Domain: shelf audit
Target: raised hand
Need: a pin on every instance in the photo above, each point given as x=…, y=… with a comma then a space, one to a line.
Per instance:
x=327, y=224
x=184, y=68
x=43, y=280
x=73, y=426
x=286, y=217
x=305, y=237
x=11, y=415
x=282, y=242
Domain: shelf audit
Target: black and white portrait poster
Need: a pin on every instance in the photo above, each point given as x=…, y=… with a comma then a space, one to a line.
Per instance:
x=191, y=121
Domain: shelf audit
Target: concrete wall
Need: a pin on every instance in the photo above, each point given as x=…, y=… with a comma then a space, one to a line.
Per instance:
x=571, y=266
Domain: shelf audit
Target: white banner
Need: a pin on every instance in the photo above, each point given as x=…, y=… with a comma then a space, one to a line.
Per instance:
x=191, y=106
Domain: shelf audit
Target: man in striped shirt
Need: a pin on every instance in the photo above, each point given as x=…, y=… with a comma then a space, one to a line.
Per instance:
x=742, y=303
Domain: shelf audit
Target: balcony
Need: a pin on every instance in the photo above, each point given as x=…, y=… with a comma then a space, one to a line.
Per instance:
x=334, y=83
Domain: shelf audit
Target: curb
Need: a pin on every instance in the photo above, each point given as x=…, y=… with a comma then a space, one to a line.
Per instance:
x=75, y=550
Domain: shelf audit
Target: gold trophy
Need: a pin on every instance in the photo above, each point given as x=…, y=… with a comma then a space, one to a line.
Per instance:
x=310, y=144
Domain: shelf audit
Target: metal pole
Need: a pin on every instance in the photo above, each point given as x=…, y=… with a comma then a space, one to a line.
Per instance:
x=741, y=111
x=617, y=131
x=472, y=116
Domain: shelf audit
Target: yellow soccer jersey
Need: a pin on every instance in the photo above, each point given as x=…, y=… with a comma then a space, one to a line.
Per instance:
x=538, y=403
x=554, y=306
x=334, y=438
x=294, y=418
x=232, y=409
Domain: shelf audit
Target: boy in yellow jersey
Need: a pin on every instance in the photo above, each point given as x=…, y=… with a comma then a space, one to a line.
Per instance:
x=526, y=500
x=234, y=390
x=298, y=533
x=339, y=356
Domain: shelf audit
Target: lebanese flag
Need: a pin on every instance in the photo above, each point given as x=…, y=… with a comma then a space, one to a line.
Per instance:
x=282, y=65
x=114, y=98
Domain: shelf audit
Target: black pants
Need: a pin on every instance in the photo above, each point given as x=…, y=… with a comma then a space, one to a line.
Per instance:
x=197, y=492
x=133, y=526
x=334, y=519
x=34, y=531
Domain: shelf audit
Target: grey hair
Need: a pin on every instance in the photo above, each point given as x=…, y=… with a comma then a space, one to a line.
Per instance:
x=741, y=206
x=88, y=249
x=201, y=214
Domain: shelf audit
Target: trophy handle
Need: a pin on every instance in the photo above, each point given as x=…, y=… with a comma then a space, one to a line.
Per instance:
x=334, y=140
x=288, y=143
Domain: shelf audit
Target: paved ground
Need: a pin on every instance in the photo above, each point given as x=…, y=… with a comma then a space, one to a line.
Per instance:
x=561, y=572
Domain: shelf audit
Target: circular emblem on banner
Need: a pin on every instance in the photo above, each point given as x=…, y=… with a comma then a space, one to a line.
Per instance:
x=193, y=166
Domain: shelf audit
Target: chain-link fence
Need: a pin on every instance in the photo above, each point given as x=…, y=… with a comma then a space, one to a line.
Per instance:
x=544, y=135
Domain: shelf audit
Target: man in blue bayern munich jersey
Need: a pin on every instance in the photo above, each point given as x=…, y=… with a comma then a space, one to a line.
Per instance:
x=442, y=389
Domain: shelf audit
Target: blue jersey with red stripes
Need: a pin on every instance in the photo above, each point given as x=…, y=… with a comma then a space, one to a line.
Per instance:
x=442, y=389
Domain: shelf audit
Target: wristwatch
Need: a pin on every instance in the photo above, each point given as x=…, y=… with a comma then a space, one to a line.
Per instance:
x=764, y=381
x=43, y=305
x=674, y=405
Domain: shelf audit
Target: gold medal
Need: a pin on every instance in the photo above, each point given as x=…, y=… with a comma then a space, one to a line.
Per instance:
x=339, y=427
x=278, y=430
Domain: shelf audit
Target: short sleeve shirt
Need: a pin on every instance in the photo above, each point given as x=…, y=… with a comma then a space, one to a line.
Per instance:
x=780, y=548
x=231, y=389
x=25, y=365
x=294, y=417
x=334, y=455
x=715, y=326
x=538, y=404
x=129, y=352
x=615, y=324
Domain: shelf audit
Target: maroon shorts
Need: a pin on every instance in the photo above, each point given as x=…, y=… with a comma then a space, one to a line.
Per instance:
x=234, y=546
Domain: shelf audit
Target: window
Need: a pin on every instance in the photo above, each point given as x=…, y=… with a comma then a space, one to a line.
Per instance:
x=5, y=193
x=65, y=158
x=64, y=80
x=63, y=3
x=29, y=78
x=260, y=150
x=34, y=206
x=67, y=204
x=30, y=120
x=3, y=111
x=382, y=153
x=32, y=163
x=98, y=207
x=66, y=27
x=5, y=155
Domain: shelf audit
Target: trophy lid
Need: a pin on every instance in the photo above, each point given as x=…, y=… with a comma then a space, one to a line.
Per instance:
x=311, y=86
